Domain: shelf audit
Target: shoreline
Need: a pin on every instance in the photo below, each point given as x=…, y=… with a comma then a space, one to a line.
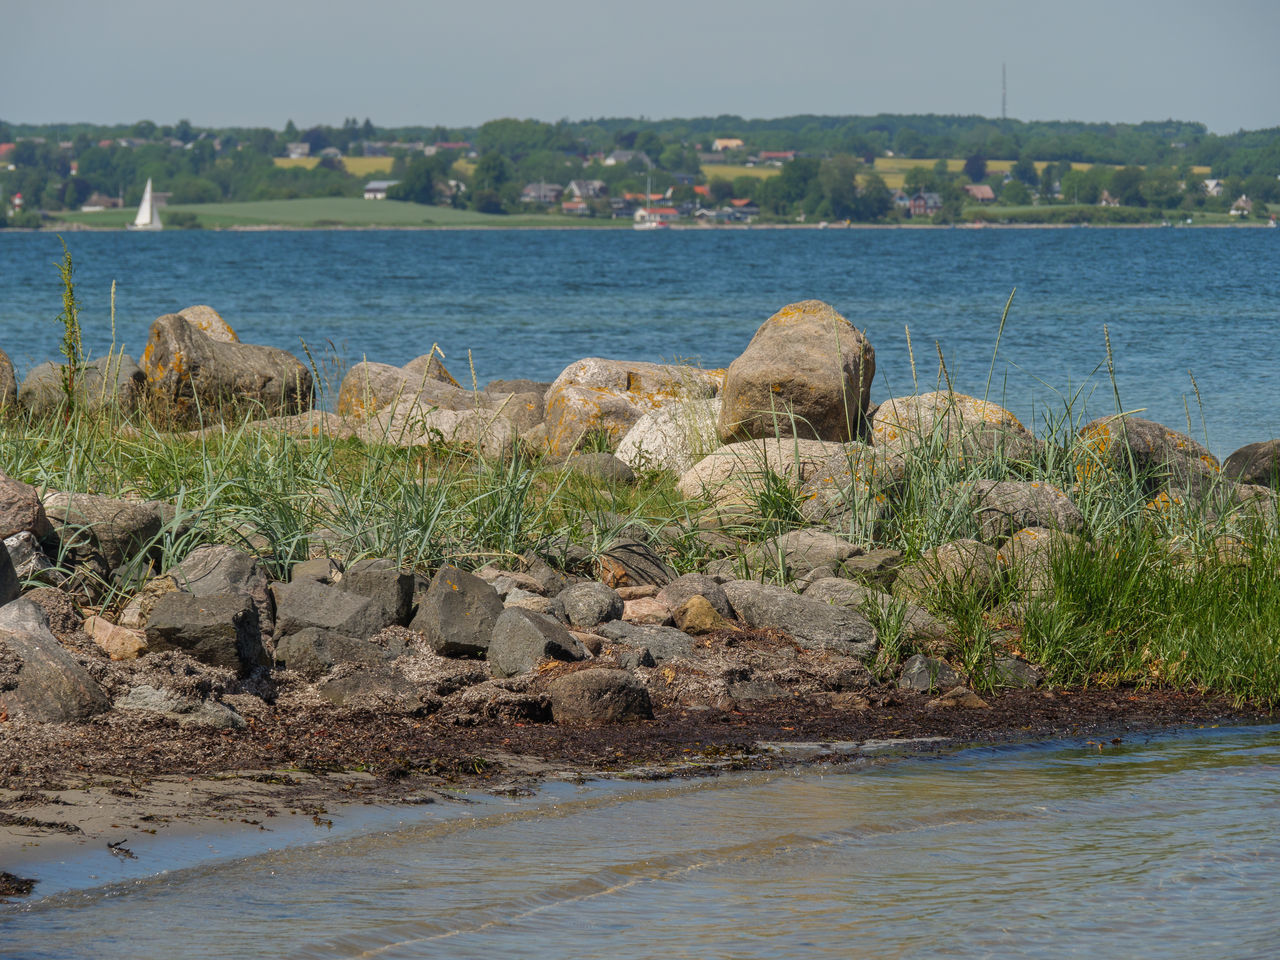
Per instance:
x=209, y=789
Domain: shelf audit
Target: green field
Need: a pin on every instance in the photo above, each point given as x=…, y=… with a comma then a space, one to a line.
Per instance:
x=339, y=212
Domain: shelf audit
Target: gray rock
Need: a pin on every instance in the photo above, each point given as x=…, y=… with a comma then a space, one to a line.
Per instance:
x=521, y=638
x=952, y=424
x=633, y=563
x=1004, y=507
x=216, y=570
x=589, y=604
x=309, y=603
x=29, y=563
x=636, y=658
x=598, y=696
x=1015, y=673
x=116, y=380
x=807, y=373
x=193, y=377
x=382, y=580
x=1162, y=458
x=320, y=569
x=961, y=565
x=9, y=586
x=550, y=580
x=458, y=614
x=121, y=531
x=601, y=466
x=220, y=631
x=39, y=679
x=803, y=550
x=21, y=510
x=526, y=600
x=314, y=652
x=925, y=674
x=187, y=711
x=878, y=567
x=814, y=625
x=663, y=643
x=538, y=387
x=1257, y=463
x=675, y=593
x=918, y=625
x=379, y=687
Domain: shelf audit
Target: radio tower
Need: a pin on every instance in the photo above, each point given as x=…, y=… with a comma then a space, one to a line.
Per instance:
x=1004, y=112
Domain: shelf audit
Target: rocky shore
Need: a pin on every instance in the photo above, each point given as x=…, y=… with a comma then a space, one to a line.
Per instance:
x=824, y=569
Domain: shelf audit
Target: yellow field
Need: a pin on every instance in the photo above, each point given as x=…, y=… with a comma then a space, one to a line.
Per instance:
x=729, y=170
x=356, y=166
x=887, y=166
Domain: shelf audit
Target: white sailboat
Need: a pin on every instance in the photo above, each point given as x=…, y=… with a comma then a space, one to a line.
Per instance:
x=148, y=217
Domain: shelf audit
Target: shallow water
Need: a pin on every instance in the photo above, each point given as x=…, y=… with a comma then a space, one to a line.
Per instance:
x=527, y=303
x=1166, y=847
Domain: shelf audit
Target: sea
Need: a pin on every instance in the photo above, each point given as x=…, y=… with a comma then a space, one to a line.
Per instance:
x=1161, y=846
x=1177, y=325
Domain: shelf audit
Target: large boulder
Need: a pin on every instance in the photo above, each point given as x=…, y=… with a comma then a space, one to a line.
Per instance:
x=952, y=424
x=112, y=381
x=598, y=696
x=21, y=510
x=812, y=624
x=1003, y=507
x=609, y=396
x=662, y=643
x=313, y=652
x=214, y=570
x=739, y=472
x=417, y=421
x=303, y=603
x=1255, y=463
x=915, y=624
x=522, y=639
x=207, y=320
x=221, y=631
x=458, y=613
x=851, y=486
x=1161, y=459
x=382, y=580
x=121, y=531
x=39, y=678
x=673, y=437
x=193, y=377
x=807, y=372
x=369, y=386
x=959, y=566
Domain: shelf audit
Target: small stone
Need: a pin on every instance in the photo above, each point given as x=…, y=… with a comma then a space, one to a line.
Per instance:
x=590, y=604
x=926, y=674
x=638, y=592
x=697, y=616
x=959, y=697
x=119, y=643
x=646, y=610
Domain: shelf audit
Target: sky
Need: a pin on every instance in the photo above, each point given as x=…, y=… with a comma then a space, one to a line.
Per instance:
x=399, y=62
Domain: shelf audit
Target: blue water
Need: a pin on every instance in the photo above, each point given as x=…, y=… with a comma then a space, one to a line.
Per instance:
x=1177, y=303
x=1163, y=848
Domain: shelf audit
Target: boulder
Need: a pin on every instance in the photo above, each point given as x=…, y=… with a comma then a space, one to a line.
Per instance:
x=111, y=381
x=369, y=387
x=214, y=570
x=120, y=530
x=221, y=631
x=411, y=422
x=737, y=473
x=926, y=674
x=812, y=624
x=609, y=396
x=208, y=321
x=117, y=642
x=696, y=616
x=598, y=696
x=631, y=563
x=1255, y=463
x=21, y=509
x=10, y=588
x=313, y=652
x=588, y=604
x=679, y=590
x=538, y=388
x=918, y=626
x=878, y=566
x=850, y=487
x=673, y=437
x=961, y=565
x=1163, y=460
x=383, y=581
x=8, y=386
x=1004, y=507
x=193, y=377
x=801, y=551
x=39, y=678
x=601, y=466
x=309, y=603
x=952, y=424
x=458, y=613
x=646, y=610
x=320, y=569
x=663, y=643
x=522, y=638
x=807, y=373
x=186, y=711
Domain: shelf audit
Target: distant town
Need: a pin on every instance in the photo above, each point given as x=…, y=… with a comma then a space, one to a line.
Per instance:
x=721, y=171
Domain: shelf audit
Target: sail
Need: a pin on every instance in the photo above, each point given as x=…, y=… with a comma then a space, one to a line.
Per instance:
x=148, y=217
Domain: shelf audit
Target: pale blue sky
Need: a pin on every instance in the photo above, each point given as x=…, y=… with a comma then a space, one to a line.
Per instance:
x=261, y=62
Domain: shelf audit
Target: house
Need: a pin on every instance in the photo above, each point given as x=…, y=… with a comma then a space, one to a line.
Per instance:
x=901, y=200
x=703, y=191
x=296, y=151
x=621, y=206
x=776, y=157
x=664, y=215
x=684, y=179
x=926, y=204
x=721, y=144
x=331, y=153
x=980, y=192
x=1213, y=188
x=1107, y=200
x=1242, y=207
x=462, y=146
x=577, y=208
x=623, y=157
x=744, y=207
x=377, y=189
x=587, y=189
x=540, y=192
x=100, y=201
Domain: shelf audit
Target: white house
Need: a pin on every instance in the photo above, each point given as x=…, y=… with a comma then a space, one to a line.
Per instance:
x=377, y=189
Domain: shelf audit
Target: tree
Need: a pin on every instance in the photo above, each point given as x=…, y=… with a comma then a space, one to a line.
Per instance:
x=1015, y=194
x=874, y=198
x=184, y=132
x=838, y=177
x=143, y=130
x=975, y=167
x=366, y=130
x=721, y=189
x=746, y=186
x=492, y=171
x=290, y=132
x=1024, y=170
x=1160, y=188
x=418, y=185
x=1126, y=186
